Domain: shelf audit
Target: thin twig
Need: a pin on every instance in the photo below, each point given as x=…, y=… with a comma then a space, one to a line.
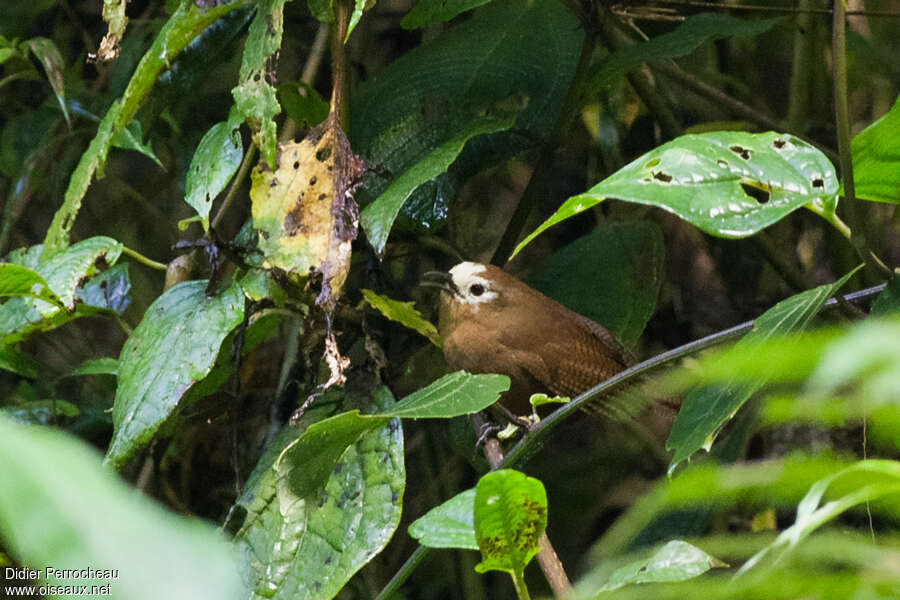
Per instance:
x=149, y=262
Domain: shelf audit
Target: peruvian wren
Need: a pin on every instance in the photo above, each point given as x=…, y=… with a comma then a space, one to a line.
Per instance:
x=491, y=322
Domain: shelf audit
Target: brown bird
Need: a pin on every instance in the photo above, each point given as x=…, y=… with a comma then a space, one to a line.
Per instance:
x=491, y=322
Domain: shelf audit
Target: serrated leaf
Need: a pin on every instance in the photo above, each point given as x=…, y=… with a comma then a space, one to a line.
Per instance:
x=876, y=159
x=510, y=517
x=174, y=346
x=308, y=546
x=214, y=163
x=707, y=409
x=686, y=38
x=450, y=525
x=185, y=24
x=675, y=561
x=102, y=524
x=403, y=313
x=612, y=275
x=378, y=217
x=432, y=12
x=254, y=96
x=730, y=184
x=455, y=394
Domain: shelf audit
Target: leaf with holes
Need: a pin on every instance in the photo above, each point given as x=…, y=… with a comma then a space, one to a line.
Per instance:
x=303, y=210
x=730, y=184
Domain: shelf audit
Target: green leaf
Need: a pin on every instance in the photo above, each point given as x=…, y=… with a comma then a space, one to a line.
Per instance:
x=513, y=56
x=510, y=517
x=730, y=184
x=101, y=524
x=185, y=24
x=403, y=313
x=63, y=274
x=41, y=412
x=686, y=38
x=20, y=281
x=707, y=409
x=46, y=51
x=17, y=362
x=214, y=163
x=309, y=546
x=359, y=6
x=96, y=366
x=131, y=137
x=302, y=103
x=876, y=159
x=452, y=395
x=450, y=525
x=254, y=96
x=432, y=12
x=612, y=275
x=174, y=346
x=888, y=301
x=675, y=561
x=378, y=217
x=872, y=479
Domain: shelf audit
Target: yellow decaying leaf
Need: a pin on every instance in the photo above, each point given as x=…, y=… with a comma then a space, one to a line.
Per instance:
x=304, y=211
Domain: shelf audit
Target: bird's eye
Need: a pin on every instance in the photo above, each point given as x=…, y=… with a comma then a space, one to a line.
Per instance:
x=476, y=289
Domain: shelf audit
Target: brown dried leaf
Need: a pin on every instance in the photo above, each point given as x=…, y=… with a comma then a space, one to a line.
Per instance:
x=304, y=211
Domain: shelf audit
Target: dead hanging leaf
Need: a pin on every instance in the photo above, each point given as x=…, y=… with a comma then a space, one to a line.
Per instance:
x=304, y=210
x=114, y=15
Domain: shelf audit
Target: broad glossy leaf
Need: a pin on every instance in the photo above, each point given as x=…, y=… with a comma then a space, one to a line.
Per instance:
x=255, y=96
x=686, y=38
x=214, y=163
x=511, y=57
x=378, y=217
x=403, y=313
x=185, y=24
x=46, y=520
x=510, y=517
x=433, y=12
x=450, y=525
x=675, y=561
x=455, y=394
x=876, y=159
x=706, y=410
x=306, y=542
x=174, y=346
x=612, y=275
x=728, y=183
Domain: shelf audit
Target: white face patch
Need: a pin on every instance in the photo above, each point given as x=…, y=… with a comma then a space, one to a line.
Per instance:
x=473, y=288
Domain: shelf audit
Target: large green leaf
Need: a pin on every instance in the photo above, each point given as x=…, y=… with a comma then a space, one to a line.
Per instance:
x=174, y=346
x=707, y=409
x=185, y=24
x=513, y=56
x=213, y=165
x=686, y=38
x=455, y=394
x=378, y=217
x=876, y=159
x=325, y=506
x=611, y=275
x=433, y=12
x=59, y=509
x=728, y=183
x=254, y=96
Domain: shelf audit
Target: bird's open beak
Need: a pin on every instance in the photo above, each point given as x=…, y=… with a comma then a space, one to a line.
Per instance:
x=440, y=280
